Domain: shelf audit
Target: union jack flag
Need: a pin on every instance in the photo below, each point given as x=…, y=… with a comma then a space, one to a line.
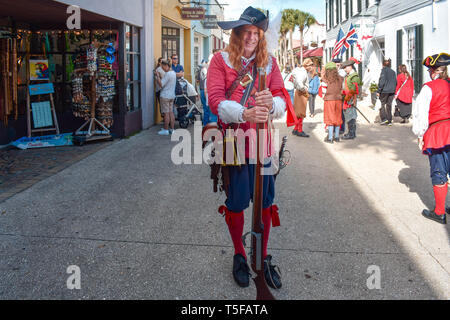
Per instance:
x=349, y=39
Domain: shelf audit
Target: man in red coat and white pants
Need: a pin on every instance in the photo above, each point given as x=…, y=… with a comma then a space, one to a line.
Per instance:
x=431, y=123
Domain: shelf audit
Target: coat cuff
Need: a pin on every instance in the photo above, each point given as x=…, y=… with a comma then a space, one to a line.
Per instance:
x=230, y=112
x=279, y=107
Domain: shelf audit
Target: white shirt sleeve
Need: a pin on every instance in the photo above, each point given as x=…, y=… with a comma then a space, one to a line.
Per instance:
x=420, y=112
x=300, y=79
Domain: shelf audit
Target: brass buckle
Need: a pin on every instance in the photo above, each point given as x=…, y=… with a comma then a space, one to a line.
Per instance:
x=246, y=80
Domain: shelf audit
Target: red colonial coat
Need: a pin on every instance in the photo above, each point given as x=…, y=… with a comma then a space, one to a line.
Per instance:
x=221, y=76
x=406, y=93
x=438, y=134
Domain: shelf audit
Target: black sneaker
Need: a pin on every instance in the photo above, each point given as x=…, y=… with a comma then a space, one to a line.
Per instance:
x=241, y=271
x=273, y=278
x=337, y=139
x=435, y=217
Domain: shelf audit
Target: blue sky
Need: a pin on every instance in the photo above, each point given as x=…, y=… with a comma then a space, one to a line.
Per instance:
x=236, y=7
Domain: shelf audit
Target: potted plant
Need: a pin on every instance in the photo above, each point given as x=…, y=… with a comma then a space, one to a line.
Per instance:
x=373, y=92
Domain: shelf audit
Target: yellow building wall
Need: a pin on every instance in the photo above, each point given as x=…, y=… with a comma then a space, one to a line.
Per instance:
x=170, y=9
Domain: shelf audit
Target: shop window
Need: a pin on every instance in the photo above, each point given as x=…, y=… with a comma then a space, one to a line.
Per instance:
x=133, y=67
x=170, y=42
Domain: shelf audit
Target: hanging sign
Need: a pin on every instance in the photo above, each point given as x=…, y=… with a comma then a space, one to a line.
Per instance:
x=210, y=22
x=193, y=13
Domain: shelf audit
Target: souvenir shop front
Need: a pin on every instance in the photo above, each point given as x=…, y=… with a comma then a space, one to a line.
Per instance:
x=88, y=77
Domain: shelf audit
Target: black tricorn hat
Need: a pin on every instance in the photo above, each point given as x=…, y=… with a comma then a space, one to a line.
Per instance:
x=337, y=60
x=347, y=63
x=250, y=16
x=437, y=60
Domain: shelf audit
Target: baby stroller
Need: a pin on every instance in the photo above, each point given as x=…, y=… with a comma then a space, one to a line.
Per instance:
x=185, y=103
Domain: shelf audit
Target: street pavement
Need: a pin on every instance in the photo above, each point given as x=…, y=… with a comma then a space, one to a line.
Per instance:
x=140, y=227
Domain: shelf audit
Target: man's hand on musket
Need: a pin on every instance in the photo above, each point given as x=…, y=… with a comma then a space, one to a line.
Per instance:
x=256, y=114
x=264, y=99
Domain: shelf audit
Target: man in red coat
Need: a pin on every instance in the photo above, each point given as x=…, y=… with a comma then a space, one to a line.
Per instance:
x=432, y=125
x=247, y=50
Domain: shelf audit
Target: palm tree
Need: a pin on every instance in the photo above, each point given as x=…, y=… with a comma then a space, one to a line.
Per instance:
x=289, y=22
x=303, y=20
x=284, y=29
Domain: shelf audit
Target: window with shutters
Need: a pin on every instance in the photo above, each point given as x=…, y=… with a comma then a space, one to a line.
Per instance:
x=344, y=10
x=356, y=6
x=399, y=48
x=328, y=15
x=336, y=12
x=415, y=54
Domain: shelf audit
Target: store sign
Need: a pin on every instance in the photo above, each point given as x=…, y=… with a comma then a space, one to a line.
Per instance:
x=210, y=22
x=193, y=13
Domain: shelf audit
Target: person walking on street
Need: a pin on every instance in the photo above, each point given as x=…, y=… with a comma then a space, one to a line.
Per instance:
x=431, y=124
x=386, y=92
x=314, y=84
x=301, y=85
x=167, y=97
x=246, y=51
x=352, y=87
x=404, y=93
x=332, y=109
x=208, y=116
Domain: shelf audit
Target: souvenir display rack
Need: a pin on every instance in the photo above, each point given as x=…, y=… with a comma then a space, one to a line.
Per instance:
x=93, y=90
x=8, y=76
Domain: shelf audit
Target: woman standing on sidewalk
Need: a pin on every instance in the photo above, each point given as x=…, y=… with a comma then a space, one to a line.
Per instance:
x=314, y=84
x=404, y=93
x=332, y=110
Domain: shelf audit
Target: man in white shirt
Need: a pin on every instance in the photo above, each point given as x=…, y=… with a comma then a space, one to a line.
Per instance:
x=301, y=85
x=167, y=96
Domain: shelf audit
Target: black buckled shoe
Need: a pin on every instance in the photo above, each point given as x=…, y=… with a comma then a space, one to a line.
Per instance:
x=241, y=271
x=302, y=135
x=435, y=217
x=273, y=278
x=328, y=140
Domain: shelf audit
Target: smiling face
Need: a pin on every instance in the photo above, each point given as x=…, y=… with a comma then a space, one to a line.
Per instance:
x=250, y=40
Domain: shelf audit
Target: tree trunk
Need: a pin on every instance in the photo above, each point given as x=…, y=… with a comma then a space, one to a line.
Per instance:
x=292, y=48
x=301, y=46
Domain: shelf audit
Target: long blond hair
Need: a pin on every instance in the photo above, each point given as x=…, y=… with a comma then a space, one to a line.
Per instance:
x=236, y=49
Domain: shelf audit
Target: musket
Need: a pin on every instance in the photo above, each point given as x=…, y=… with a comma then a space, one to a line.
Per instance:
x=362, y=114
x=257, y=262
